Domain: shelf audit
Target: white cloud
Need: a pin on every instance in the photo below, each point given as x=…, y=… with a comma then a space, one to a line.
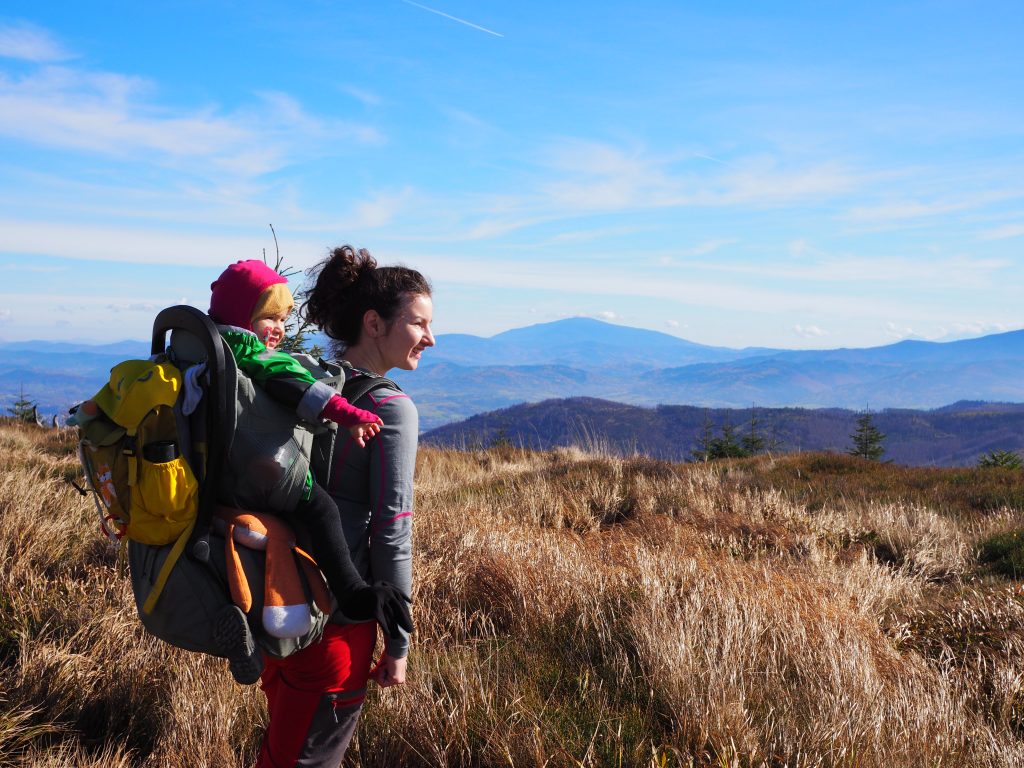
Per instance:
x=114, y=114
x=136, y=245
x=5, y=315
x=710, y=246
x=968, y=330
x=903, y=210
x=148, y=307
x=897, y=331
x=674, y=324
x=916, y=209
x=1003, y=233
x=582, y=236
x=607, y=315
x=369, y=98
x=809, y=331
x=951, y=272
x=980, y=328
x=28, y=42
x=380, y=209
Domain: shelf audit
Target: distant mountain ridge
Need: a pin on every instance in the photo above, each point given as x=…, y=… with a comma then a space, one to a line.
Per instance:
x=582, y=357
x=955, y=435
x=591, y=358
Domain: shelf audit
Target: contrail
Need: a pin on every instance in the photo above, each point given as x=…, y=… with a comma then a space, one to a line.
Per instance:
x=454, y=18
x=713, y=159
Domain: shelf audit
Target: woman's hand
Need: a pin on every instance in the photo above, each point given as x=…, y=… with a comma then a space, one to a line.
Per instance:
x=390, y=671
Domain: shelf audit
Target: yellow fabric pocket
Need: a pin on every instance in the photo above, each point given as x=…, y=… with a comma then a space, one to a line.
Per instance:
x=165, y=500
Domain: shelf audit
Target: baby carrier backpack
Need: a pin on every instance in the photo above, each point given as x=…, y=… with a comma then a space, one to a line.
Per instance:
x=169, y=441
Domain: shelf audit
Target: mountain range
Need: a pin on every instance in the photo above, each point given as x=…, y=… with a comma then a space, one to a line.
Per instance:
x=580, y=357
x=465, y=375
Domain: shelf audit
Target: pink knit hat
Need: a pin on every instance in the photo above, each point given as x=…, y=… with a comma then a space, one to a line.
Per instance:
x=238, y=289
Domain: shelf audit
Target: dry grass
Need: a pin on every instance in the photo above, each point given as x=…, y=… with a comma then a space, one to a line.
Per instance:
x=574, y=610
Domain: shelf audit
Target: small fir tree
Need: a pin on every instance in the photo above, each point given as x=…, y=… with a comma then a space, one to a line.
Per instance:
x=24, y=409
x=867, y=439
x=1001, y=460
x=728, y=445
x=703, y=450
x=753, y=441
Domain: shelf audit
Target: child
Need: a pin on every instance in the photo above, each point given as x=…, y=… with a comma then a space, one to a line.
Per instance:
x=250, y=302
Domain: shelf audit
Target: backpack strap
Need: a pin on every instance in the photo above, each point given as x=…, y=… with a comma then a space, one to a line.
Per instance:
x=363, y=384
x=352, y=387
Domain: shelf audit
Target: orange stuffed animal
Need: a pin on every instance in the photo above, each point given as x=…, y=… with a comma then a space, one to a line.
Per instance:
x=286, y=611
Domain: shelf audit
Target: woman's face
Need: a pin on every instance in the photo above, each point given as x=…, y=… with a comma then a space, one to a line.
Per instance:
x=409, y=334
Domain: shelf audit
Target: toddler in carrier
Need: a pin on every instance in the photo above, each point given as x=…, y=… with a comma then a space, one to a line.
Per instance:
x=250, y=303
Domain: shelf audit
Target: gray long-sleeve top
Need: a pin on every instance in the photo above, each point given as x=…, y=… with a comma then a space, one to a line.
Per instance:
x=373, y=488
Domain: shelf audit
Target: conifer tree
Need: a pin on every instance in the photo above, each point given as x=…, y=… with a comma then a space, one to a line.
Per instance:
x=753, y=441
x=24, y=409
x=867, y=439
x=1001, y=459
x=703, y=450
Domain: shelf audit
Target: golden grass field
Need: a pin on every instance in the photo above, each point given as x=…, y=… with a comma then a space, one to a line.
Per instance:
x=575, y=609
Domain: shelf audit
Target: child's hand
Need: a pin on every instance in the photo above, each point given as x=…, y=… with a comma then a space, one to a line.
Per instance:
x=363, y=432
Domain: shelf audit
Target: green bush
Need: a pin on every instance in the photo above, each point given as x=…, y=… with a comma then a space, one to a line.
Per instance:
x=1005, y=553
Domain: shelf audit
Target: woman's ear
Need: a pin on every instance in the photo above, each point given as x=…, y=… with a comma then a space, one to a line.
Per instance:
x=373, y=324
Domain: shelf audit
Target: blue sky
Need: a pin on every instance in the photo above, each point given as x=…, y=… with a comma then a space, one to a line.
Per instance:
x=737, y=173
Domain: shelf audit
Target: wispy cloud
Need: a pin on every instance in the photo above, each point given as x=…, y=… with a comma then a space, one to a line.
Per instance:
x=28, y=42
x=967, y=330
x=709, y=246
x=898, y=331
x=1004, y=232
x=599, y=177
x=369, y=98
x=453, y=18
x=380, y=210
x=138, y=306
x=107, y=243
x=851, y=269
x=113, y=114
x=809, y=331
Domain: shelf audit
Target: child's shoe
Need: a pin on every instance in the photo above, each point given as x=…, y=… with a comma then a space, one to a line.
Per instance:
x=235, y=642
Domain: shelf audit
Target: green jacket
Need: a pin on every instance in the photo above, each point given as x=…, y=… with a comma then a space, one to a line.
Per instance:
x=277, y=373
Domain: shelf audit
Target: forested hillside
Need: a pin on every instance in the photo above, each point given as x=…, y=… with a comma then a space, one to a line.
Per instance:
x=957, y=435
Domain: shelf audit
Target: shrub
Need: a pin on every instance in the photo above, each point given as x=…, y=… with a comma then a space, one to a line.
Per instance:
x=1003, y=459
x=1005, y=553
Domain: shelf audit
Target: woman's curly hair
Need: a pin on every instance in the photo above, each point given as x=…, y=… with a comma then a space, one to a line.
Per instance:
x=348, y=283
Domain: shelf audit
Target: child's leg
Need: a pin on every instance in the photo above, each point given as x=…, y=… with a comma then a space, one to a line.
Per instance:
x=320, y=516
x=357, y=600
x=235, y=642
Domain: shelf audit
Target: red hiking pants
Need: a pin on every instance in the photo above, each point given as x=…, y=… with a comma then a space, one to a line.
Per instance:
x=314, y=697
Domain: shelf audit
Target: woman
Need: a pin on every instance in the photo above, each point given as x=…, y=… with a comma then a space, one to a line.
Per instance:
x=379, y=319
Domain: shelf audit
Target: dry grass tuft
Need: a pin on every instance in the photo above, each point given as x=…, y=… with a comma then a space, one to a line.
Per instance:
x=574, y=609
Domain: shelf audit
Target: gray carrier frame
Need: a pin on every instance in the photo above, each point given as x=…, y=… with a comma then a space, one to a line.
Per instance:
x=234, y=420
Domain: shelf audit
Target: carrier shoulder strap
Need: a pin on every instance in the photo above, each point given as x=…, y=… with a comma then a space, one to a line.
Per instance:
x=351, y=388
x=357, y=386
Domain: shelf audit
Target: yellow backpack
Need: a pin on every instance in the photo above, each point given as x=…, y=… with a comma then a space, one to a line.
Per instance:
x=131, y=456
x=130, y=452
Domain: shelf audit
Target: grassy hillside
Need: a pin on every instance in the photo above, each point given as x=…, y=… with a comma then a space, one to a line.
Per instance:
x=577, y=610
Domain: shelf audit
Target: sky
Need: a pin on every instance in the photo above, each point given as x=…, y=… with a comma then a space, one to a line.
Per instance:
x=795, y=175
